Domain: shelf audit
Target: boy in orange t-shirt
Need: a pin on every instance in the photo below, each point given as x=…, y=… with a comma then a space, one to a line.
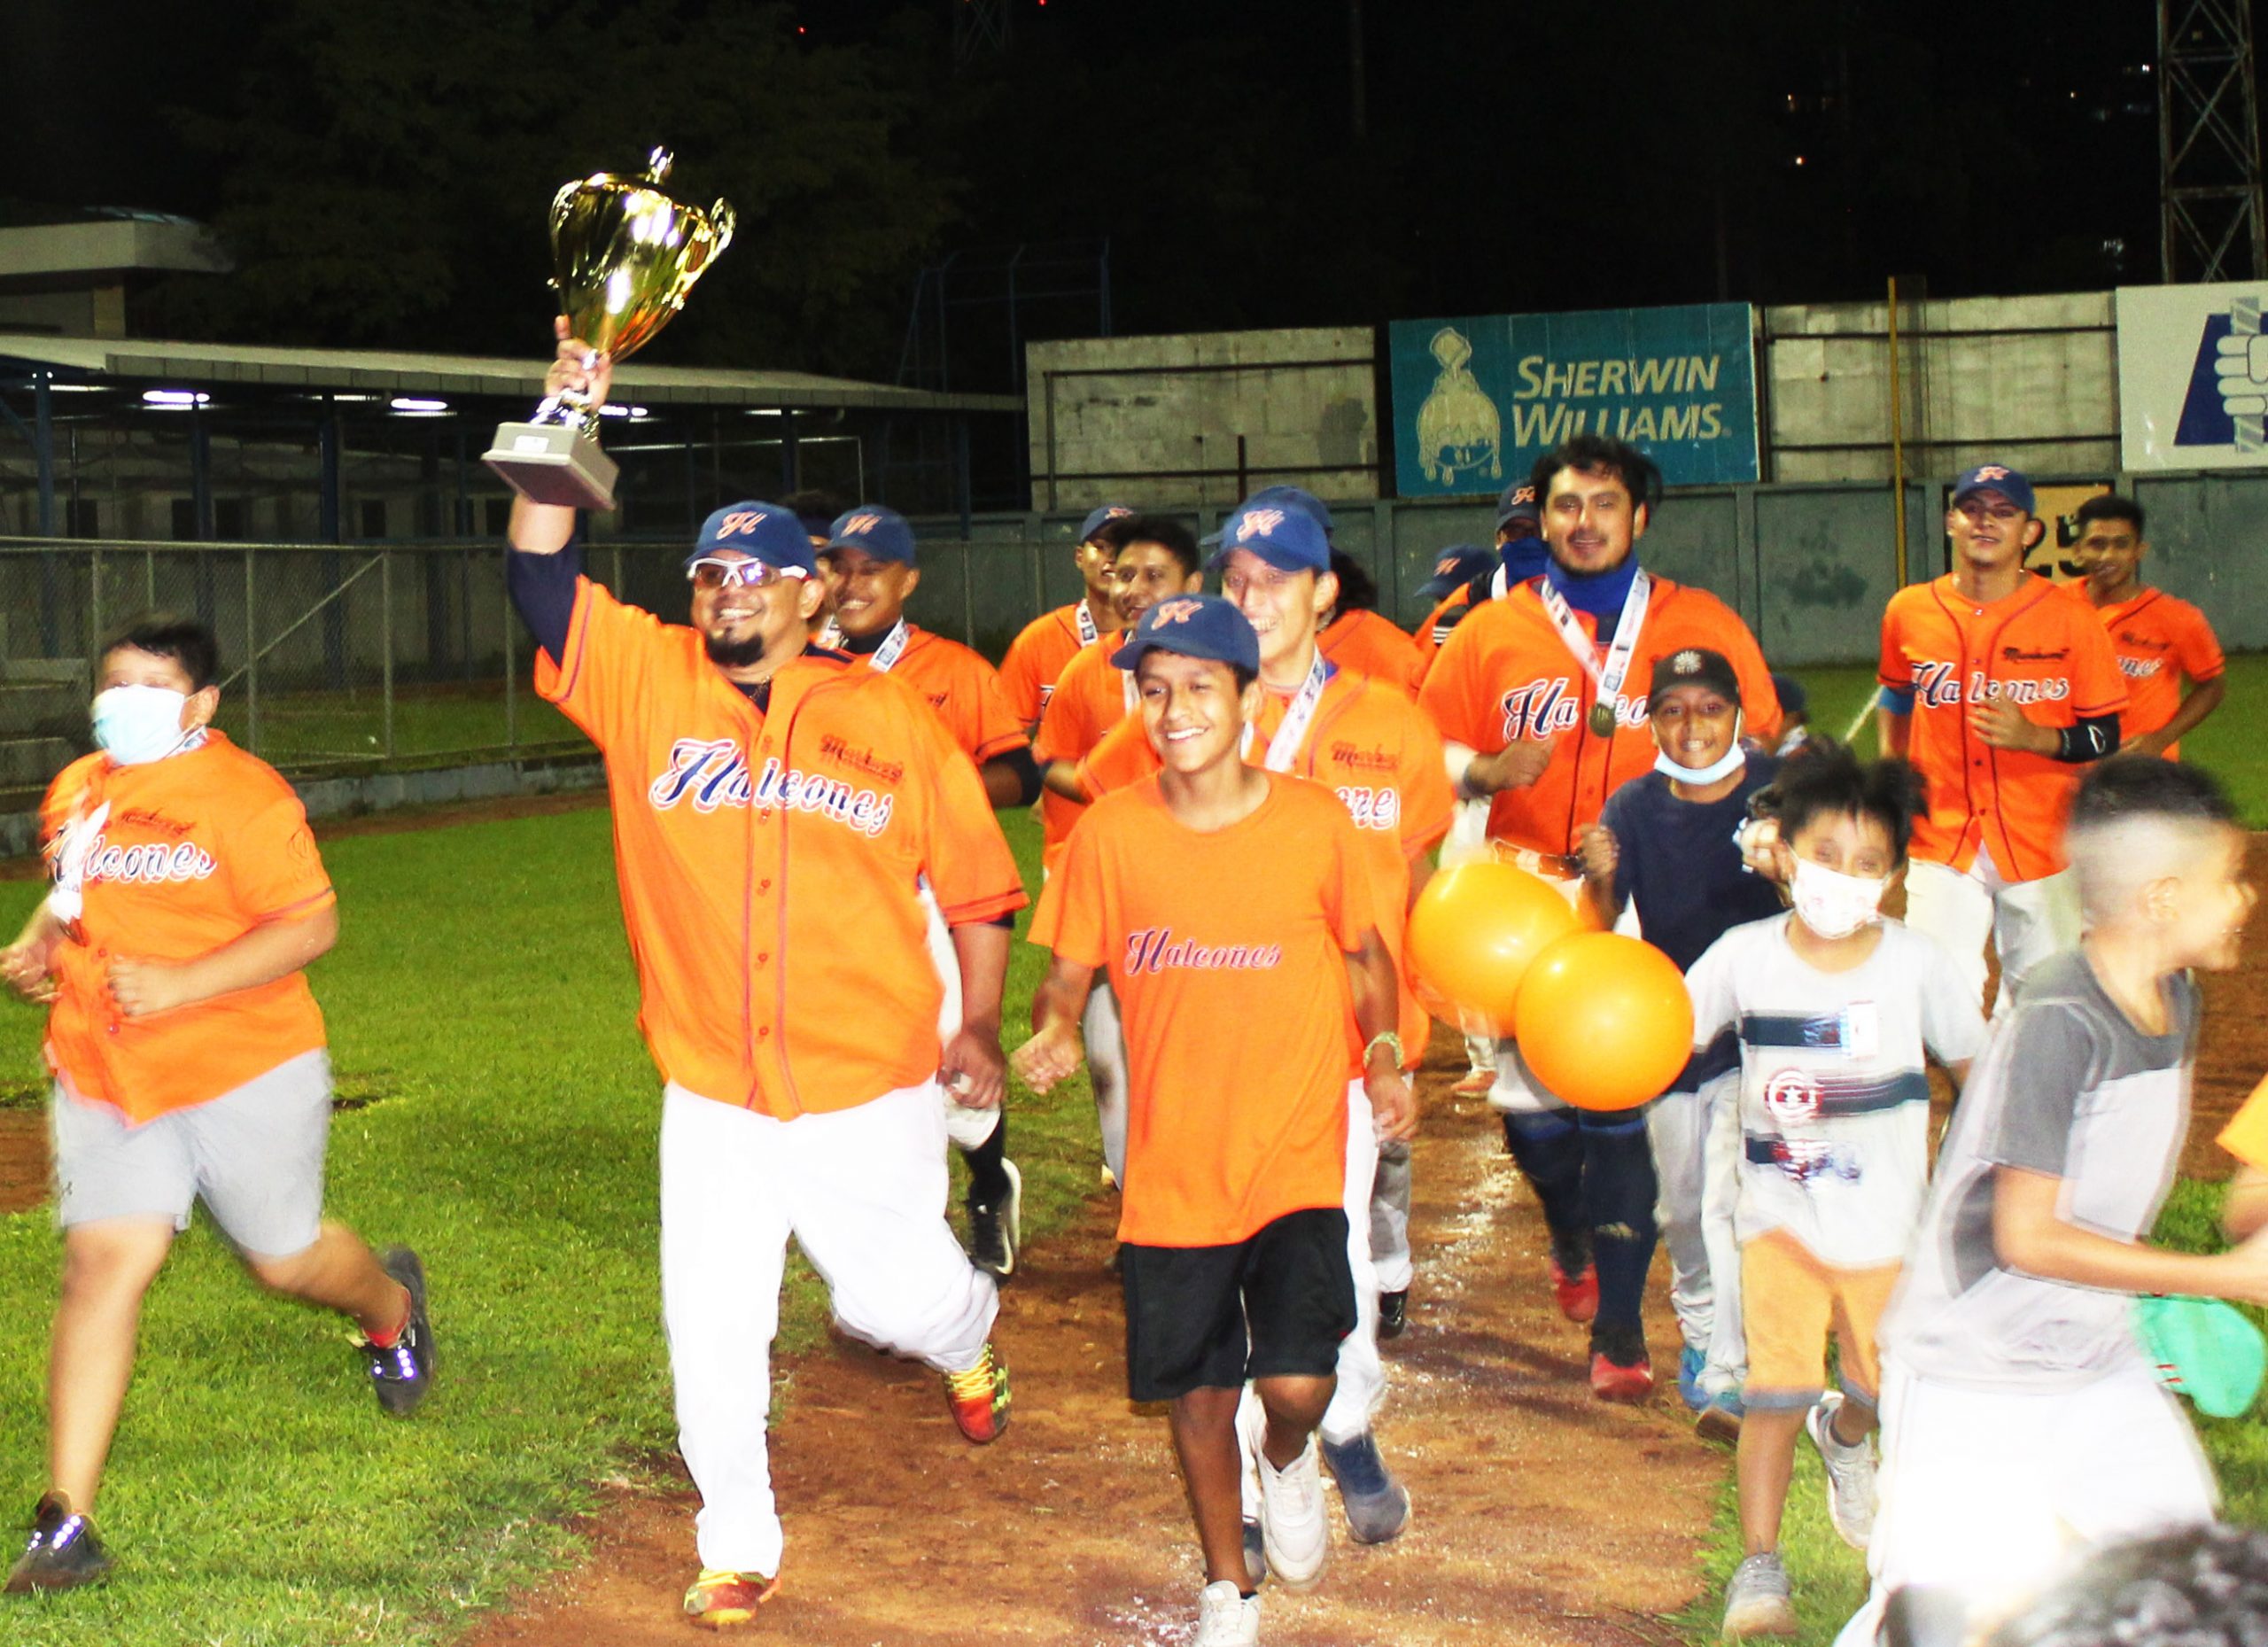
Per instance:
x=189, y=1056
x=1245, y=998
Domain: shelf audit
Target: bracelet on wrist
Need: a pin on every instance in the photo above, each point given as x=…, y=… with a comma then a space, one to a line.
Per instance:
x=1390, y=1039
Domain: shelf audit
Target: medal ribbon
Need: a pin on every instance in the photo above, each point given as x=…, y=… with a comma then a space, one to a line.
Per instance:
x=1607, y=682
x=1284, y=748
x=1088, y=632
x=884, y=657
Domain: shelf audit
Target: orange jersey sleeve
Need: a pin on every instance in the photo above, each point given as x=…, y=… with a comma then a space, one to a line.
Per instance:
x=1234, y=993
x=1035, y=661
x=1088, y=699
x=1370, y=644
x=2158, y=640
x=965, y=691
x=195, y=851
x=768, y=858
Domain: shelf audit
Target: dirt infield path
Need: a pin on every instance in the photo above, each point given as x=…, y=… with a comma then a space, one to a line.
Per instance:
x=1542, y=1516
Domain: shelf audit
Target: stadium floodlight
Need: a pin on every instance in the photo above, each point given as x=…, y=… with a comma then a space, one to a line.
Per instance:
x=175, y=400
x=413, y=403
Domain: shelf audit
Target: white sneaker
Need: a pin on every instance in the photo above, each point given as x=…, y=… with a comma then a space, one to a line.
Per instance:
x=1226, y=1617
x=1850, y=1473
x=1294, y=1529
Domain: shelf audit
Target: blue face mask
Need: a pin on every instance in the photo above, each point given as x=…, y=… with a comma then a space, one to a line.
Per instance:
x=135, y=724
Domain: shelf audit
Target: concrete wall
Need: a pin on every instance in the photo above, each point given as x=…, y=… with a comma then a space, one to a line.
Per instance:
x=1157, y=420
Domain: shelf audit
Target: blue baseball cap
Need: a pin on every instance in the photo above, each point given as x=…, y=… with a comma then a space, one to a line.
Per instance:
x=881, y=532
x=1517, y=502
x=1194, y=626
x=1287, y=538
x=1995, y=478
x=1459, y=565
x=1101, y=517
x=763, y=532
x=1793, y=699
x=1291, y=497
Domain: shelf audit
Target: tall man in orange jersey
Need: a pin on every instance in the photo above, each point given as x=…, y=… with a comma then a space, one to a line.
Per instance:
x=1377, y=751
x=2000, y=687
x=1037, y=656
x=875, y=570
x=773, y=812
x=2160, y=640
x=1542, y=696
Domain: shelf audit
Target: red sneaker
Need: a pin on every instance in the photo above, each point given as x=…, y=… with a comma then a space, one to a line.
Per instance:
x=1474, y=1083
x=1577, y=1295
x=720, y=1599
x=979, y=1398
x=1628, y=1385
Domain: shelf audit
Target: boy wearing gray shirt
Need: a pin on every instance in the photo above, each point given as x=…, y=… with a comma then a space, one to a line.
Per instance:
x=2019, y=1411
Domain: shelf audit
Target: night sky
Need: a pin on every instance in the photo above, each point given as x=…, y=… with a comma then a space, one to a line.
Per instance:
x=1514, y=157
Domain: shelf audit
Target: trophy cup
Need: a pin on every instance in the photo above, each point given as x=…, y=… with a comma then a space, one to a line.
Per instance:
x=626, y=254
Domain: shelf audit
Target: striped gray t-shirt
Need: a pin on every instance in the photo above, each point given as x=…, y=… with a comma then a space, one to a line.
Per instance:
x=2069, y=1088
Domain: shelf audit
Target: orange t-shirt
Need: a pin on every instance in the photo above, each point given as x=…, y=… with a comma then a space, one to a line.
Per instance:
x=2158, y=638
x=1372, y=748
x=963, y=688
x=1374, y=646
x=1233, y=985
x=1037, y=656
x=1504, y=674
x=2042, y=647
x=767, y=860
x=198, y=849
x=1091, y=695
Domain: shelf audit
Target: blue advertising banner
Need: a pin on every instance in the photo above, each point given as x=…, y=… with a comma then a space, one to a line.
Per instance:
x=1476, y=401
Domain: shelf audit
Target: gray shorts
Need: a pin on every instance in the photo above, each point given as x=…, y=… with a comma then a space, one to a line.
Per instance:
x=253, y=1155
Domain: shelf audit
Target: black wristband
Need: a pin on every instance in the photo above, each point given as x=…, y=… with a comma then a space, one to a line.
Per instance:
x=2090, y=738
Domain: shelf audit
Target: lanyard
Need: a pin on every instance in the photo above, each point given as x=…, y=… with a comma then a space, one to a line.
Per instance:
x=1088, y=632
x=1608, y=681
x=1284, y=748
x=883, y=657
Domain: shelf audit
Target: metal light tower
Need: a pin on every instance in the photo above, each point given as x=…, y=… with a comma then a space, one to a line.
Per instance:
x=980, y=29
x=2212, y=226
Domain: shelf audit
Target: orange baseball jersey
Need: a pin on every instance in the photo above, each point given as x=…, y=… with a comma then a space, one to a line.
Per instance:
x=767, y=860
x=1091, y=695
x=964, y=690
x=2042, y=648
x=2158, y=637
x=194, y=851
x=2246, y=1135
x=1037, y=656
x=1373, y=748
x=1374, y=646
x=1505, y=674
x=1239, y=1019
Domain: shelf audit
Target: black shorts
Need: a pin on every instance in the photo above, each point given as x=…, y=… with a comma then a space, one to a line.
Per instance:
x=1274, y=1305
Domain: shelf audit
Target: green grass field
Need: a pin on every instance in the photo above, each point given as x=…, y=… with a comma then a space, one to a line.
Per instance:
x=482, y=996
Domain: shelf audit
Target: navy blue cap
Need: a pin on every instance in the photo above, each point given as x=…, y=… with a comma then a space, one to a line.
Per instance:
x=881, y=532
x=1517, y=502
x=1099, y=517
x=1291, y=497
x=1194, y=626
x=1459, y=565
x=1793, y=699
x=1995, y=478
x=763, y=532
x=1287, y=537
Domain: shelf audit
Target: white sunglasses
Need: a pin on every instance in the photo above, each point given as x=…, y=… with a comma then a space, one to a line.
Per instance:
x=710, y=573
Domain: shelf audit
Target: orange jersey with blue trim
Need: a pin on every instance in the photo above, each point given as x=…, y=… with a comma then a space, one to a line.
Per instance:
x=1091, y=695
x=2043, y=648
x=195, y=851
x=964, y=690
x=1375, y=646
x=2158, y=638
x=768, y=860
x=1504, y=675
x=1036, y=657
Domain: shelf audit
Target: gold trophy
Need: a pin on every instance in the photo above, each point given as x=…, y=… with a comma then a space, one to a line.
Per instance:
x=626, y=254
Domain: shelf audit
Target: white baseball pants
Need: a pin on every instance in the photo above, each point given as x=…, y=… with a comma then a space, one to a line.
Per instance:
x=2027, y=921
x=1985, y=1491
x=1695, y=1139
x=1362, y=1375
x=1105, y=1039
x=863, y=1193
x=967, y=1125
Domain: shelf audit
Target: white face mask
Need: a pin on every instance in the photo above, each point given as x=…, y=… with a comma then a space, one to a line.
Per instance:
x=1731, y=761
x=1835, y=905
x=139, y=723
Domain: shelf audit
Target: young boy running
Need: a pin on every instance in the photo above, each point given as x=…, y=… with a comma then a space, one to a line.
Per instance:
x=2161, y=640
x=187, y=1053
x=1665, y=843
x=1245, y=997
x=1377, y=751
x=2020, y=1411
x=1834, y=1008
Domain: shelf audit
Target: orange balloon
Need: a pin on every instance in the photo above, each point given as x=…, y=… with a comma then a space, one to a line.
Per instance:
x=1603, y=1021
x=1472, y=932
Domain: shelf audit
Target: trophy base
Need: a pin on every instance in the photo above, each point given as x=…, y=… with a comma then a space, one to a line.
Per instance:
x=553, y=463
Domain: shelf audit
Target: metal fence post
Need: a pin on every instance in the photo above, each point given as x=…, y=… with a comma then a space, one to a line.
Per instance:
x=385, y=649
x=252, y=655
x=511, y=673
x=94, y=604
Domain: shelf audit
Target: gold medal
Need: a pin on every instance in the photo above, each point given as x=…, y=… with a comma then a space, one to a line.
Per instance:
x=1602, y=720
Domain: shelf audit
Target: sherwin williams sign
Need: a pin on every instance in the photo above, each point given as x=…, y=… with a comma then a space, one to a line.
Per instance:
x=2193, y=377
x=1477, y=401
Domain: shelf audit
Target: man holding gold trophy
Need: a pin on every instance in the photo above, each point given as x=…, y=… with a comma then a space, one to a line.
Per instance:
x=775, y=809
